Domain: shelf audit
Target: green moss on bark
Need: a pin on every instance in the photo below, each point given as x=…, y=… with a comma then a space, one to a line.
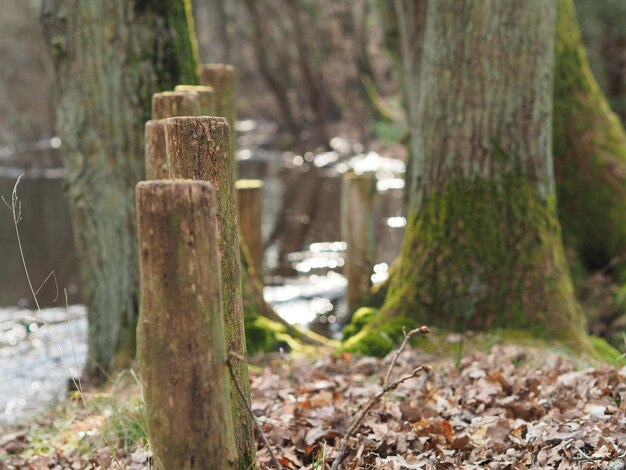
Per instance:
x=265, y=330
x=479, y=255
x=590, y=154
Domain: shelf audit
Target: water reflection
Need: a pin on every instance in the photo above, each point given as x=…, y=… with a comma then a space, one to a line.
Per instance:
x=304, y=256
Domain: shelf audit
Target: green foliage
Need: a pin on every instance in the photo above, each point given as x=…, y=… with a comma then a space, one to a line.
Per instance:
x=606, y=352
x=360, y=318
x=264, y=335
x=378, y=338
x=590, y=154
x=127, y=426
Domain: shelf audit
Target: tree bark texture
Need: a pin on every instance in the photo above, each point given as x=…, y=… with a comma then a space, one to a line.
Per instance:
x=180, y=334
x=482, y=247
x=590, y=155
x=404, y=24
x=106, y=72
x=198, y=148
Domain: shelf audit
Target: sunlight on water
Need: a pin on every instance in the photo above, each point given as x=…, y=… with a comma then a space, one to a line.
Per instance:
x=37, y=357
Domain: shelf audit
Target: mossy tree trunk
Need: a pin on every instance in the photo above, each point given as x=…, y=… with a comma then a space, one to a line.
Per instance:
x=107, y=71
x=482, y=247
x=590, y=155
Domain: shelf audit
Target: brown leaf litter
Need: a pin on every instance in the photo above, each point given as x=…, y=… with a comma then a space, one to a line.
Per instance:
x=513, y=408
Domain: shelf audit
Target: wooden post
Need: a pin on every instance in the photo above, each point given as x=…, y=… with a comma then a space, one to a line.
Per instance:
x=359, y=231
x=164, y=105
x=206, y=96
x=250, y=216
x=223, y=79
x=156, y=161
x=180, y=336
x=175, y=103
x=199, y=148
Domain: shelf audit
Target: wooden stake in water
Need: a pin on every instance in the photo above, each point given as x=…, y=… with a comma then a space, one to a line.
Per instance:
x=249, y=217
x=180, y=335
x=359, y=232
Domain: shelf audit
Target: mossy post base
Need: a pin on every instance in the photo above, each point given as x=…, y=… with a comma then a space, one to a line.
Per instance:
x=359, y=232
x=206, y=97
x=249, y=217
x=198, y=148
x=180, y=334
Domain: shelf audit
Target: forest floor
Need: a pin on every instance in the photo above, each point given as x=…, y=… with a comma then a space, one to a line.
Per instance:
x=508, y=407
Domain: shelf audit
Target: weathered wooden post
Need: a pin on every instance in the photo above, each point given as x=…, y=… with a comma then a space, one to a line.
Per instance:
x=198, y=148
x=249, y=217
x=223, y=79
x=359, y=232
x=206, y=97
x=175, y=103
x=164, y=105
x=180, y=335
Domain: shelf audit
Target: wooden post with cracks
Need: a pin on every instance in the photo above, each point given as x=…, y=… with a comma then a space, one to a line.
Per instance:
x=164, y=105
x=249, y=217
x=198, y=148
x=223, y=79
x=180, y=335
x=359, y=232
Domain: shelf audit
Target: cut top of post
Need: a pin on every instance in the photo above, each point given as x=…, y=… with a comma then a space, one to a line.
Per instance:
x=206, y=97
x=248, y=184
x=223, y=79
x=175, y=103
x=197, y=146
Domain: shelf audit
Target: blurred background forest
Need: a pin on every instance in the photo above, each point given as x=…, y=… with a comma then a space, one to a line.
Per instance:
x=339, y=53
x=323, y=92
x=336, y=77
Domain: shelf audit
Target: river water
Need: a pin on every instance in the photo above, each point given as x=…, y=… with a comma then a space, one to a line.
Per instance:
x=39, y=350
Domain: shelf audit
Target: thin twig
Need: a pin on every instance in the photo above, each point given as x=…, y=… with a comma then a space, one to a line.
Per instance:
x=16, y=209
x=375, y=399
x=234, y=355
x=421, y=330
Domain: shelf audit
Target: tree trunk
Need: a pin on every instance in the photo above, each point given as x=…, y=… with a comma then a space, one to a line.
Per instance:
x=404, y=23
x=590, y=155
x=106, y=72
x=482, y=248
x=181, y=329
